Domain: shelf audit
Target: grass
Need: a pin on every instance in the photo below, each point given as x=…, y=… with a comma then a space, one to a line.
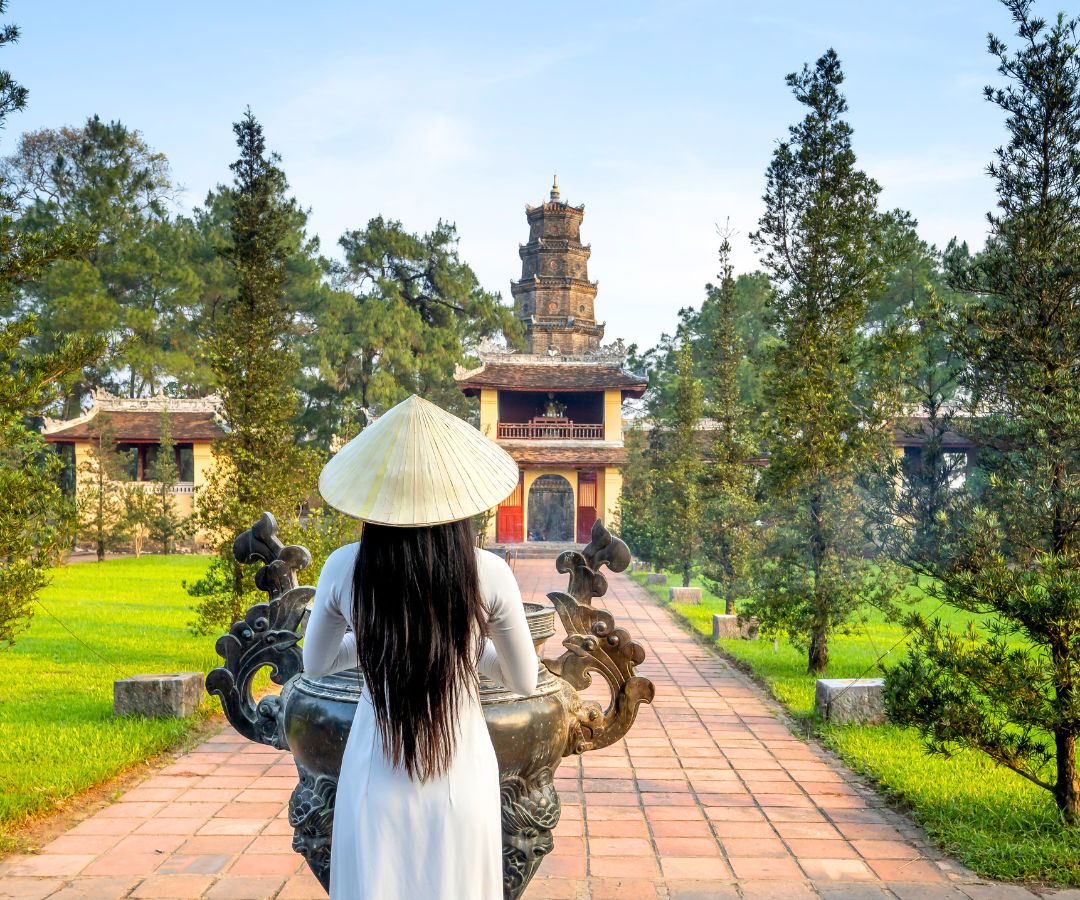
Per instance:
x=57, y=731
x=994, y=821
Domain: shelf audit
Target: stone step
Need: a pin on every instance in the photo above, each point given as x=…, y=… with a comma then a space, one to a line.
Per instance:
x=533, y=549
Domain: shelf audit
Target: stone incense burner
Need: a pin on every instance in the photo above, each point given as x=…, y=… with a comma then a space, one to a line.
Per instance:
x=531, y=735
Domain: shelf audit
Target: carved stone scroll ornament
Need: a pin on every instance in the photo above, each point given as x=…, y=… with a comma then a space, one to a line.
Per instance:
x=530, y=810
x=311, y=815
x=594, y=644
x=267, y=636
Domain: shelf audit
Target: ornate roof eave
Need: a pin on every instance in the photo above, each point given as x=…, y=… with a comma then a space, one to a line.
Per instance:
x=554, y=282
x=103, y=401
x=554, y=206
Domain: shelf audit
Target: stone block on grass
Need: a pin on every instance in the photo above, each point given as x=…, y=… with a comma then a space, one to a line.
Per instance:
x=851, y=701
x=175, y=695
x=656, y=578
x=732, y=627
x=684, y=595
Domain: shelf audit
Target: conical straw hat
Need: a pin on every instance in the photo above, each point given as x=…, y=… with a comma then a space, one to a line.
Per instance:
x=418, y=465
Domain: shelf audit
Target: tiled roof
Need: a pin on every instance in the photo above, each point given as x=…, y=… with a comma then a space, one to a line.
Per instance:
x=585, y=453
x=141, y=425
x=914, y=431
x=541, y=377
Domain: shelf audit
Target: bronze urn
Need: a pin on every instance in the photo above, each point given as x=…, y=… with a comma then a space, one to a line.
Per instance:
x=531, y=735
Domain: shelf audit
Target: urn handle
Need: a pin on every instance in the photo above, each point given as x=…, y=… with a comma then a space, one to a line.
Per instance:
x=595, y=644
x=267, y=636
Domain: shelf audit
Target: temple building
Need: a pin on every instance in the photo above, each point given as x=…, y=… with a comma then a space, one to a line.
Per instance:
x=135, y=425
x=557, y=407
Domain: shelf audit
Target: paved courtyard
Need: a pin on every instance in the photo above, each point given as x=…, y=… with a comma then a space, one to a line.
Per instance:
x=709, y=796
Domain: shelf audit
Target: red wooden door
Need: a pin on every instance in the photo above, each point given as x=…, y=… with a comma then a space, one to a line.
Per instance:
x=510, y=519
x=586, y=507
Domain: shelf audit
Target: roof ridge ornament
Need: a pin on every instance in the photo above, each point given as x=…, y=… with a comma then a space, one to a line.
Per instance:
x=555, y=188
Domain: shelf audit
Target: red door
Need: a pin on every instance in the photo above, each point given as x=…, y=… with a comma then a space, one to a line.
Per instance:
x=510, y=520
x=586, y=510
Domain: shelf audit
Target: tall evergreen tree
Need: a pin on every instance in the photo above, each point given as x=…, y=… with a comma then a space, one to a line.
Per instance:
x=107, y=512
x=409, y=310
x=250, y=345
x=910, y=495
x=1011, y=548
x=828, y=391
x=729, y=477
x=136, y=285
x=164, y=523
x=676, y=493
x=36, y=519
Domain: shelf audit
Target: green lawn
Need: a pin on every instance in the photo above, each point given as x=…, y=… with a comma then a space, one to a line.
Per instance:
x=57, y=731
x=991, y=819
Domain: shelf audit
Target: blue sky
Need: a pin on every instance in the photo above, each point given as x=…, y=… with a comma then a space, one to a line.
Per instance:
x=660, y=117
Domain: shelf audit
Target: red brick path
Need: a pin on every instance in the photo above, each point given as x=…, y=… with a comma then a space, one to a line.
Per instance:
x=709, y=796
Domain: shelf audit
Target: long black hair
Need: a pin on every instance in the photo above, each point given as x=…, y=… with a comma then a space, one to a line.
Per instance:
x=419, y=618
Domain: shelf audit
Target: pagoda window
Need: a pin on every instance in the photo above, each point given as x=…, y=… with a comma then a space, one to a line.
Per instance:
x=141, y=459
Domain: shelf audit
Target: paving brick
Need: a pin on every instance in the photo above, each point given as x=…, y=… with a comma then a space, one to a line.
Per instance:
x=245, y=888
x=46, y=865
x=765, y=867
x=754, y=847
x=28, y=888
x=172, y=887
x=303, y=887
x=97, y=888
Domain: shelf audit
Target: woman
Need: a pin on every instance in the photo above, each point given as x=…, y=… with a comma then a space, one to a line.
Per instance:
x=421, y=611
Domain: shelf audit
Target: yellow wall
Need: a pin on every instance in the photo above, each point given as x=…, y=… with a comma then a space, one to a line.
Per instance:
x=613, y=416
x=611, y=478
x=203, y=458
x=489, y=412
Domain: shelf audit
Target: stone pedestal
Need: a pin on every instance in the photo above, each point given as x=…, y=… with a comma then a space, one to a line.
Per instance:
x=158, y=696
x=851, y=701
x=656, y=578
x=730, y=627
x=684, y=595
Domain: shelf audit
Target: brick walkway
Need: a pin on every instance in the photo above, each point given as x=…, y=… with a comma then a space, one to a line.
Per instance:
x=710, y=796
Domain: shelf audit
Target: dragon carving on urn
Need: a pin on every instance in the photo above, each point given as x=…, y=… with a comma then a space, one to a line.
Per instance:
x=531, y=735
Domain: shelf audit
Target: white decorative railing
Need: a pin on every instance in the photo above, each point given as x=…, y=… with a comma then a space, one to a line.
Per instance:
x=181, y=487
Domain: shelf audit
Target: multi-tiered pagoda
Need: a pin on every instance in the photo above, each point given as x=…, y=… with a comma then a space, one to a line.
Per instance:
x=557, y=407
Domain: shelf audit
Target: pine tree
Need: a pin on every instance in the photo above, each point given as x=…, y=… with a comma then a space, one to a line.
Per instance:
x=729, y=478
x=1011, y=545
x=36, y=519
x=637, y=520
x=135, y=284
x=828, y=392
x=676, y=493
x=910, y=495
x=164, y=524
x=106, y=515
x=250, y=345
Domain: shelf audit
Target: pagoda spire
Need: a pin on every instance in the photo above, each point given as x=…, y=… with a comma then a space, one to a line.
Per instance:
x=554, y=297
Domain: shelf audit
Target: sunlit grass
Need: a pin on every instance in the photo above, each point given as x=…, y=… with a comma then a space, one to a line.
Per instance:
x=58, y=735
x=993, y=820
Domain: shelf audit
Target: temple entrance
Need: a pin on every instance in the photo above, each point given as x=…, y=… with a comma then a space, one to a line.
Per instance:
x=508, y=521
x=586, y=507
x=551, y=509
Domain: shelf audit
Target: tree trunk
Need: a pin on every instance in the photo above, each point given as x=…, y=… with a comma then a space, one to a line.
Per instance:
x=729, y=601
x=1067, y=788
x=686, y=575
x=818, y=656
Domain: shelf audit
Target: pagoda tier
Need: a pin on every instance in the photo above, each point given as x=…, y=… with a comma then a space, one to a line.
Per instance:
x=532, y=372
x=554, y=297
